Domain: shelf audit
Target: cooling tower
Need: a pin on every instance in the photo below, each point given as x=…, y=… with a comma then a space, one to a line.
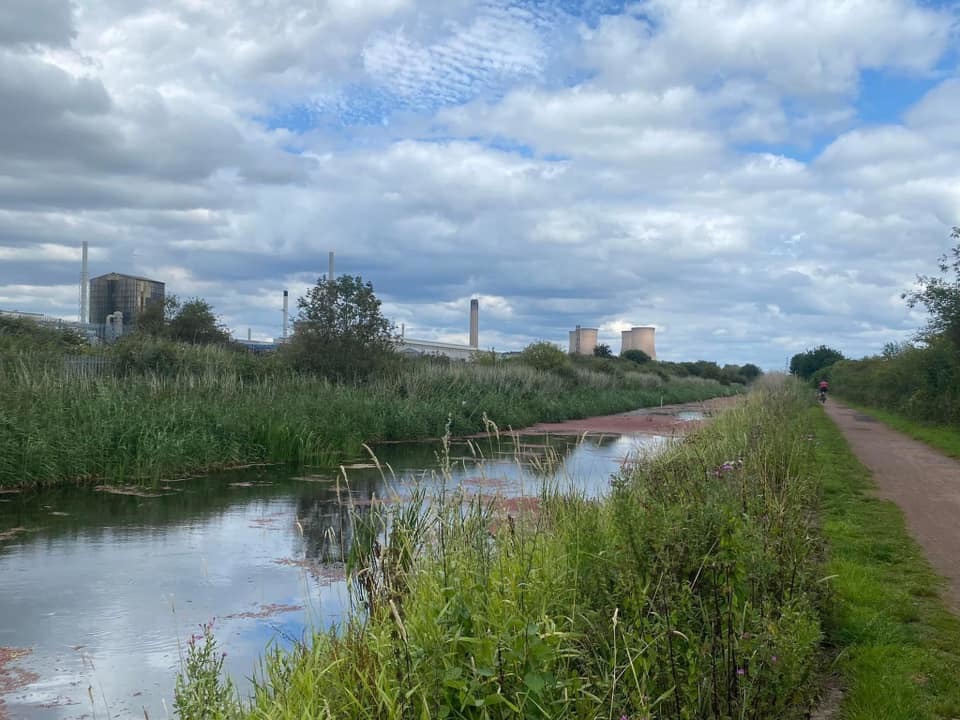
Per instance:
x=639, y=338
x=583, y=341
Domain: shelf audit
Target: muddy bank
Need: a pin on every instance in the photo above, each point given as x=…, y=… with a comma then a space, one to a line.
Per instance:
x=12, y=677
x=666, y=420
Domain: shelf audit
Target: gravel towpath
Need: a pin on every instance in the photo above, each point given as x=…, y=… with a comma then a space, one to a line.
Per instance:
x=922, y=481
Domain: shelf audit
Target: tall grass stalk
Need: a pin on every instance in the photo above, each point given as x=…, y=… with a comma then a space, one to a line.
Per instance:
x=57, y=427
x=691, y=591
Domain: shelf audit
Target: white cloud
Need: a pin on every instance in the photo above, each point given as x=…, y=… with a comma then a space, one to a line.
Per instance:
x=626, y=197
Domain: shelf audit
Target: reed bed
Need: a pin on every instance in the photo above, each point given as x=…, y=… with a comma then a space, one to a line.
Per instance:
x=691, y=591
x=216, y=409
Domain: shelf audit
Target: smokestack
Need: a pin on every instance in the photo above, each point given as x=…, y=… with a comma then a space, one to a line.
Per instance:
x=249, y=335
x=475, y=323
x=330, y=270
x=84, y=282
x=286, y=314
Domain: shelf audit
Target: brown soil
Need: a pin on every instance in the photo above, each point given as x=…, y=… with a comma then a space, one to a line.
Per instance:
x=12, y=678
x=266, y=611
x=656, y=421
x=923, y=482
x=323, y=573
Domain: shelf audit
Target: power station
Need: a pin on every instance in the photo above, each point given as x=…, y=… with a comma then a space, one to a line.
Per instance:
x=584, y=340
x=639, y=338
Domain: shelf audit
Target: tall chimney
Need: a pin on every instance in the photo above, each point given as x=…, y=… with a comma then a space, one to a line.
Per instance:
x=286, y=313
x=330, y=277
x=475, y=323
x=249, y=334
x=84, y=282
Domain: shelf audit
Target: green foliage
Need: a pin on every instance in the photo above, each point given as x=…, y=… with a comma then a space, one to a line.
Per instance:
x=202, y=692
x=191, y=322
x=941, y=297
x=637, y=356
x=898, y=646
x=690, y=592
x=750, y=372
x=921, y=383
x=487, y=358
x=340, y=332
x=171, y=407
x=23, y=335
x=155, y=318
x=545, y=356
x=811, y=363
x=602, y=350
x=194, y=322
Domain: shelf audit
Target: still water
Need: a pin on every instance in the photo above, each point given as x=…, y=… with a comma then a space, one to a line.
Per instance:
x=105, y=589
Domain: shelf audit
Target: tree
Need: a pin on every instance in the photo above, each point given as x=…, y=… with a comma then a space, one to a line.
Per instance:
x=194, y=322
x=155, y=318
x=191, y=322
x=603, y=350
x=544, y=355
x=637, y=356
x=811, y=362
x=340, y=332
x=750, y=372
x=941, y=297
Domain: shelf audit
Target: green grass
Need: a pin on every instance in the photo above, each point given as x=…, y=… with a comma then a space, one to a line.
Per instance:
x=221, y=409
x=690, y=592
x=898, y=646
x=945, y=438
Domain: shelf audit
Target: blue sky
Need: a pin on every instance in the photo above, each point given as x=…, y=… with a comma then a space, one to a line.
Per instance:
x=752, y=178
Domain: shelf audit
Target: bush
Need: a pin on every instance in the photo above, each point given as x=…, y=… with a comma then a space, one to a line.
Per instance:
x=544, y=356
x=636, y=356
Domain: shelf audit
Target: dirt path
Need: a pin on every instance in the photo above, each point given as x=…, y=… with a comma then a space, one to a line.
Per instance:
x=924, y=483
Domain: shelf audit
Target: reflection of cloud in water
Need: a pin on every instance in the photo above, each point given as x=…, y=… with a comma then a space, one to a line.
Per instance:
x=128, y=579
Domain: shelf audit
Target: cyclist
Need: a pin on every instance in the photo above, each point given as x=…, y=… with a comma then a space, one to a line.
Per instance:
x=822, y=389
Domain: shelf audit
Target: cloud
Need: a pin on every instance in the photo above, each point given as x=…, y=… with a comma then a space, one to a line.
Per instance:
x=36, y=22
x=697, y=166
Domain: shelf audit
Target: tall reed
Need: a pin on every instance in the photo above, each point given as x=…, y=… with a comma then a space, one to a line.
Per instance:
x=689, y=592
x=216, y=411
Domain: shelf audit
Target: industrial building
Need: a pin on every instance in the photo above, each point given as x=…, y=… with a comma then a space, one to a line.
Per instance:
x=639, y=338
x=126, y=294
x=583, y=341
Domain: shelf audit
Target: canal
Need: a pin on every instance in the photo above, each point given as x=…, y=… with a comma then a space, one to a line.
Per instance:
x=99, y=591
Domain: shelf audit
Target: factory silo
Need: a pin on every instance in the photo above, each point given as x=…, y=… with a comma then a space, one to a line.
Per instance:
x=583, y=341
x=639, y=338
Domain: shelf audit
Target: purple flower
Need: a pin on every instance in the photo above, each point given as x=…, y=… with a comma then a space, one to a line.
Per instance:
x=741, y=671
x=774, y=659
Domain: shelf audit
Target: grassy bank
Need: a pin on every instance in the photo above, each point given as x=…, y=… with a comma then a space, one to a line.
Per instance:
x=690, y=592
x=219, y=408
x=898, y=647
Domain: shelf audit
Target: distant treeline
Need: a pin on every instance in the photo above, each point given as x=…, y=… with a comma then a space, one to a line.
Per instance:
x=922, y=383
x=919, y=380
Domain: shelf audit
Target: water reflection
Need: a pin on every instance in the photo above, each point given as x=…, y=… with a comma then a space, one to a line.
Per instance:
x=105, y=588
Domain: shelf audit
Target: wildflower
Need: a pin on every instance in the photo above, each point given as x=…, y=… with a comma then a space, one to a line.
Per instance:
x=741, y=671
x=774, y=659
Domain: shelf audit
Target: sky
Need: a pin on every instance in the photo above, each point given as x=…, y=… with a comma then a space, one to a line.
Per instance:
x=752, y=178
